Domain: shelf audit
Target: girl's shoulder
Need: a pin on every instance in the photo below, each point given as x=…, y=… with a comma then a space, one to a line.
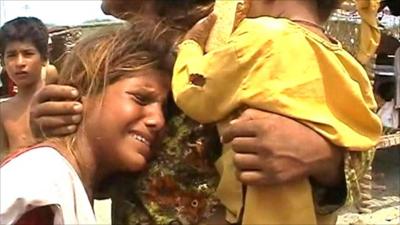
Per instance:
x=30, y=155
x=36, y=168
x=40, y=176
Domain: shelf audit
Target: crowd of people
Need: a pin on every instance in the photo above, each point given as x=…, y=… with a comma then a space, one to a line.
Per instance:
x=110, y=128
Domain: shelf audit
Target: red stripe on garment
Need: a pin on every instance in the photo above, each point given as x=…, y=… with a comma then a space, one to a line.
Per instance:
x=13, y=155
x=37, y=216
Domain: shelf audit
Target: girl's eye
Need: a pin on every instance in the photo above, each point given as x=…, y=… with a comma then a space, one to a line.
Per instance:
x=141, y=99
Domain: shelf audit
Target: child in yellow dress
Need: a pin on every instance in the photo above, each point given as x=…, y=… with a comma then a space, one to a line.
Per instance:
x=278, y=60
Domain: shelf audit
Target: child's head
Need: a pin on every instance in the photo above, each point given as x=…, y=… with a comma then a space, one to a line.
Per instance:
x=124, y=86
x=26, y=30
x=23, y=48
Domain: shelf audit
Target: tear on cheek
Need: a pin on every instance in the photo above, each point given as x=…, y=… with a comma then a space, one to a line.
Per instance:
x=197, y=79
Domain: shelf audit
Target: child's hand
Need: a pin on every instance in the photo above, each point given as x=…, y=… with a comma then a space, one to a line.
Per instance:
x=201, y=30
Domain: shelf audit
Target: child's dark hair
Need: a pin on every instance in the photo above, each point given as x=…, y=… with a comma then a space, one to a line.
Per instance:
x=386, y=90
x=326, y=7
x=25, y=29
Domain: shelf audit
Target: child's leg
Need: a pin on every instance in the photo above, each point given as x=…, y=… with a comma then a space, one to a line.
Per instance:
x=229, y=190
x=291, y=203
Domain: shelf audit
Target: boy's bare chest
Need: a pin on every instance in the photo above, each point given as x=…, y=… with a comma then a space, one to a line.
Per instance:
x=16, y=126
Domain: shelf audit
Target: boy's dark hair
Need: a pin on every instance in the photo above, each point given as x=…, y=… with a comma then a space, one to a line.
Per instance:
x=394, y=6
x=386, y=90
x=25, y=29
x=326, y=7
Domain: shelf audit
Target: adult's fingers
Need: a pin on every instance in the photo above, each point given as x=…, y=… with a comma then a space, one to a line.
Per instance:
x=201, y=30
x=254, y=114
x=245, y=162
x=56, y=108
x=51, y=74
x=57, y=92
x=52, y=122
x=247, y=124
x=59, y=132
x=54, y=125
x=207, y=26
x=239, y=129
x=245, y=145
x=251, y=177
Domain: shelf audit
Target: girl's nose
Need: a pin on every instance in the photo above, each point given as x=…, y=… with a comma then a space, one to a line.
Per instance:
x=155, y=117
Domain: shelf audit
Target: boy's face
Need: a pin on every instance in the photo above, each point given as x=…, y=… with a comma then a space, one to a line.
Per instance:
x=23, y=63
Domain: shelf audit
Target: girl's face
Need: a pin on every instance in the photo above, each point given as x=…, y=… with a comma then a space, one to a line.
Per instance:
x=123, y=123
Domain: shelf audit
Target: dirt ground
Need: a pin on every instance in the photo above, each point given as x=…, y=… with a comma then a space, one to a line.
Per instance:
x=385, y=202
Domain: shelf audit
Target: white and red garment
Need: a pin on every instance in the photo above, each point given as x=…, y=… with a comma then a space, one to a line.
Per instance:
x=40, y=177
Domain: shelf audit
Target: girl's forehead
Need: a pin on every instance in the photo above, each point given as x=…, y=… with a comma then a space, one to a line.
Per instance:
x=150, y=73
x=145, y=77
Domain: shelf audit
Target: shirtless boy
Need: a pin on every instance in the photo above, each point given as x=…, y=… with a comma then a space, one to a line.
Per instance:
x=23, y=46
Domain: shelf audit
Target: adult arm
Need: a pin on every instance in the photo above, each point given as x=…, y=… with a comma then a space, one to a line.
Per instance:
x=273, y=149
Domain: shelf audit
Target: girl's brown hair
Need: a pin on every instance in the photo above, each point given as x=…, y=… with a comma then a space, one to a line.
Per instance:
x=112, y=53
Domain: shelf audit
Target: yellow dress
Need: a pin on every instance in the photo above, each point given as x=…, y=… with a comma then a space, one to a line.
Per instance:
x=277, y=66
